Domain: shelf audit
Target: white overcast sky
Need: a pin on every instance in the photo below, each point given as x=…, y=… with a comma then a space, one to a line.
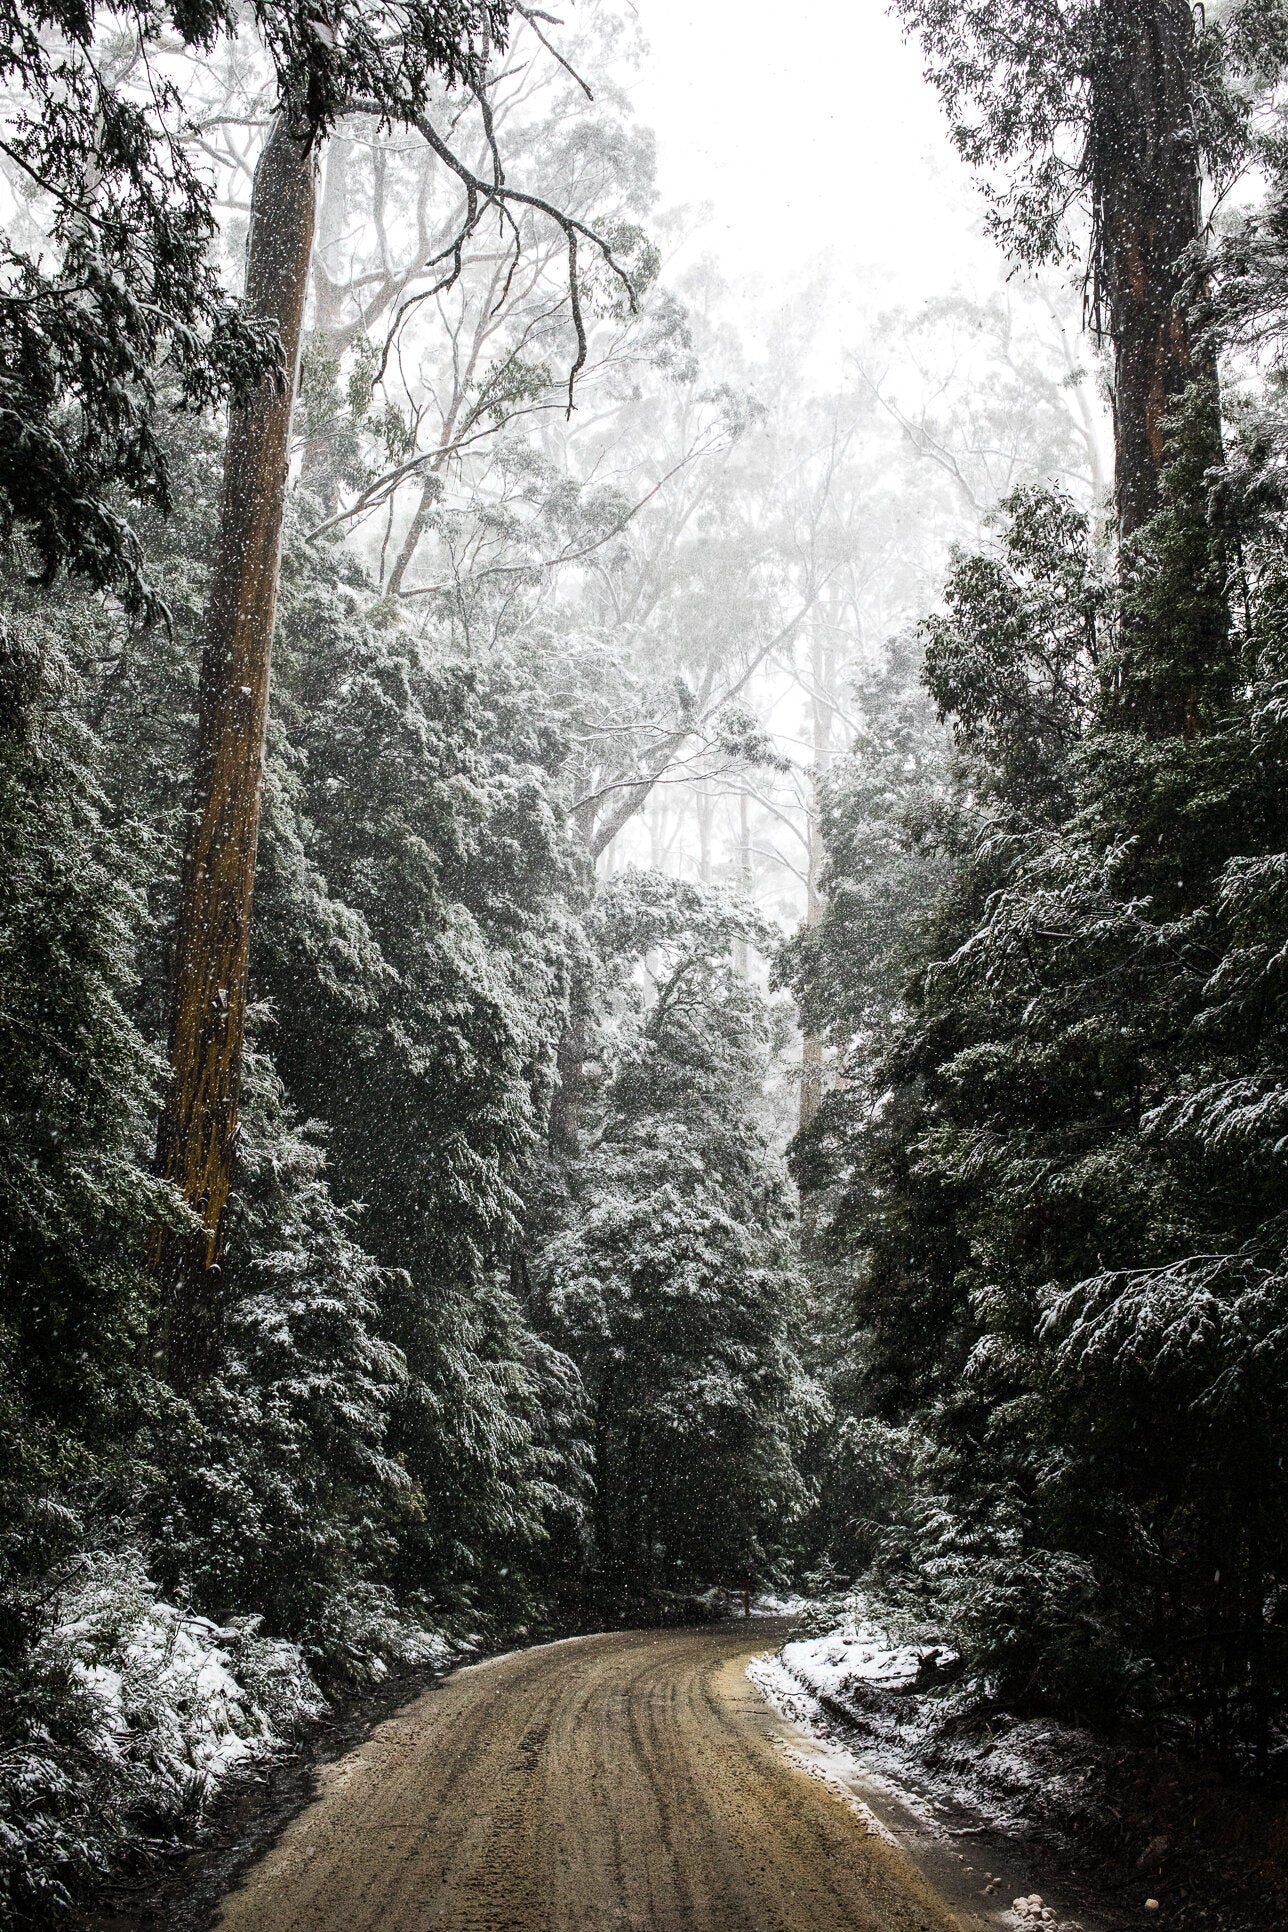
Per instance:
x=809, y=129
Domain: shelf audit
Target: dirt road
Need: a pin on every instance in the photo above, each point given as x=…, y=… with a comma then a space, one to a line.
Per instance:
x=634, y=1782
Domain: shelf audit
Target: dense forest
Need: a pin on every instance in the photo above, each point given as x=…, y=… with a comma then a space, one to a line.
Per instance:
x=631, y=964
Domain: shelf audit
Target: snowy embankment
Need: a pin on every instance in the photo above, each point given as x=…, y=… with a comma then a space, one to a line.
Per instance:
x=928, y=1729
x=967, y=1791
x=131, y=1715
x=1027, y=1821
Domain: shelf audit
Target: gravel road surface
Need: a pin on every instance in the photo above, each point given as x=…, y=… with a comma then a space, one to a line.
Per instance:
x=632, y=1782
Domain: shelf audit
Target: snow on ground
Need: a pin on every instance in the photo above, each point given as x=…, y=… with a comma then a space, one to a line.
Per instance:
x=836, y=1763
x=906, y=1702
x=860, y=1650
x=893, y=1726
x=133, y=1712
x=199, y=1699
x=769, y=1605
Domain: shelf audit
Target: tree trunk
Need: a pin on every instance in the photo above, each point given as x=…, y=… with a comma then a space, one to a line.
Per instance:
x=822, y=676
x=317, y=468
x=1145, y=181
x=746, y=885
x=1173, y=666
x=198, y=1129
x=565, y=1103
x=706, y=805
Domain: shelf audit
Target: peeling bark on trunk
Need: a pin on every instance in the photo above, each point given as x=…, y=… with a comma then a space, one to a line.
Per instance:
x=1173, y=660
x=196, y=1143
x=1145, y=175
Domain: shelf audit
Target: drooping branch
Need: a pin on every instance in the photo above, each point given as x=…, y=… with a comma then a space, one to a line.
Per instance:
x=534, y=18
x=480, y=196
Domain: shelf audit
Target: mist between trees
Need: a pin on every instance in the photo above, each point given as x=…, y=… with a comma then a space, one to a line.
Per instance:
x=635, y=955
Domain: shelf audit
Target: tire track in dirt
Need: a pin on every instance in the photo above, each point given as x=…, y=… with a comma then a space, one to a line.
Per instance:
x=631, y=1782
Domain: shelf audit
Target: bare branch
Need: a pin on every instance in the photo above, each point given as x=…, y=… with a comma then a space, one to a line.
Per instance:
x=533, y=17
x=565, y=556
x=480, y=196
x=637, y=788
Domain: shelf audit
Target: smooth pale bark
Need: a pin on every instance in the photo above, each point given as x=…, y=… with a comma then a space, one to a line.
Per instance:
x=197, y=1139
x=327, y=336
x=811, y=1094
x=822, y=679
x=746, y=882
x=706, y=805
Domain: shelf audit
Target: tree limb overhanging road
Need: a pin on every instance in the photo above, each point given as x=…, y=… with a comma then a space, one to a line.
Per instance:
x=635, y=1780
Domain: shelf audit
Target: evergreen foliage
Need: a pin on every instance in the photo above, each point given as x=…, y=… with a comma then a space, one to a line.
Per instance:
x=1050, y=1175
x=415, y=918
x=675, y=1289
x=399, y=1436
x=77, y=1085
x=1060, y=1171
x=271, y=1491
x=519, y=1326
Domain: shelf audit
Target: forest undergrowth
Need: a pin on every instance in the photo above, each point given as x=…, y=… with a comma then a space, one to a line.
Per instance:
x=405, y=1000
x=1101, y=1819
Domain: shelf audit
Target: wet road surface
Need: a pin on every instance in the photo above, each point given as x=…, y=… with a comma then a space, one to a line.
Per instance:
x=630, y=1782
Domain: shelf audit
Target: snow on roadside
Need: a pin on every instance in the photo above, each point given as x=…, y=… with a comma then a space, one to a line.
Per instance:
x=769, y=1605
x=129, y=1714
x=192, y=1699
x=784, y=1692
x=921, y=1726
x=890, y=1731
x=859, y=1650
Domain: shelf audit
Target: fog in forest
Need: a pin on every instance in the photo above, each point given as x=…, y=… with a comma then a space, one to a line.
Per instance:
x=643, y=859
x=767, y=461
